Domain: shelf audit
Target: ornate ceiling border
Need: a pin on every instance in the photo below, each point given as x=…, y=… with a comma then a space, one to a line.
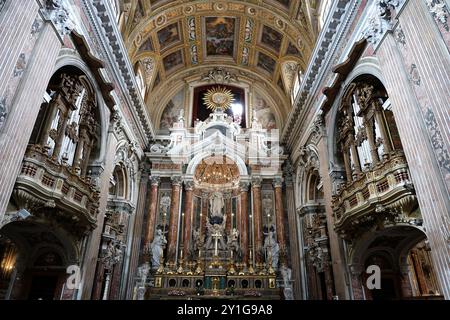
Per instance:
x=330, y=38
x=117, y=55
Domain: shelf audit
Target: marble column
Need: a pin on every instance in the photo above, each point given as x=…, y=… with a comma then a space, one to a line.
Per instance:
x=152, y=212
x=257, y=218
x=24, y=101
x=243, y=220
x=416, y=79
x=104, y=173
x=405, y=283
x=228, y=211
x=279, y=212
x=174, y=218
x=137, y=227
x=188, y=206
x=295, y=246
x=356, y=284
x=204, y=213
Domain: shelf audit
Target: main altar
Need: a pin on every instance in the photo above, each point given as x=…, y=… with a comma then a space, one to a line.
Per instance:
x=216, y=218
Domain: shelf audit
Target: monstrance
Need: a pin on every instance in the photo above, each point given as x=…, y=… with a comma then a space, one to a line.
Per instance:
x=218, y=99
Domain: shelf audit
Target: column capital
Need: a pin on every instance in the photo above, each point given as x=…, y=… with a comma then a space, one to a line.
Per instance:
x=243, y=186
x=278, y=182
x=188, y=185
x=155, y=180
x=176, y=181
x=256, y=182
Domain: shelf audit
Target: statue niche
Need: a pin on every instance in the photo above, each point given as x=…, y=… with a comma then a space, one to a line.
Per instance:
x=216, y=223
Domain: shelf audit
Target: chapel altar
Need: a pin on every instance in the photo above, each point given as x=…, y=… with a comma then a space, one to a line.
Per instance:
x=216, y=225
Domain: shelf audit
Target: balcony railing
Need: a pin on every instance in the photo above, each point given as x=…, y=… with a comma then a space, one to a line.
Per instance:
x=51, y=182
x=382, y=191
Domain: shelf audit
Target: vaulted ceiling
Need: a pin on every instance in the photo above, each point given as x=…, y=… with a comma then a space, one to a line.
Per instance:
x=261, y=41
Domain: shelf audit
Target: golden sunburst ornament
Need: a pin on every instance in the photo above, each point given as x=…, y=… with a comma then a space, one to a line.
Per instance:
x=218, y=98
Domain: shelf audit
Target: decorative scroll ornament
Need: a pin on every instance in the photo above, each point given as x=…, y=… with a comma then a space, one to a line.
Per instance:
x=219, y=75
x=57, y=13
x=440, y=12
x=218, y=98
x=382, y=20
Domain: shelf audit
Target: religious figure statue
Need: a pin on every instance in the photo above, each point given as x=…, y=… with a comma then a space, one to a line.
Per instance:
x=271, y=248
x=198, y=241
x=286, y=273
x=233, y=242
x=142, y=274
x=216, y=203
x=267, y=204
x=112, y=255
x=157, y=248
x=165, y=203
x=317, y=257
x=215, y=231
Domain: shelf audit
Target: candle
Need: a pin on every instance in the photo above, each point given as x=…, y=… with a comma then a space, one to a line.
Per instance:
x=181, y=254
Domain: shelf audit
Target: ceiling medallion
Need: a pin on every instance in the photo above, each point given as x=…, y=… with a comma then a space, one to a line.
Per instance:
x=251, y=11
x=280, y=24
x=161, y=20
x=220, y=7
x=218, y=98
x=189, y=9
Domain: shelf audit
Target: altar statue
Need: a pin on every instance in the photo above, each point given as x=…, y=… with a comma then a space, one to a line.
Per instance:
x=267, y=204
x=157, y=248
x=215, y=233
x=272, y=248
x=233, y=240
x=216, y=204
x=165, y=203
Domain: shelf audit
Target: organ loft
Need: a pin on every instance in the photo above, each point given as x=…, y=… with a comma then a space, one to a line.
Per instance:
x=237, y=150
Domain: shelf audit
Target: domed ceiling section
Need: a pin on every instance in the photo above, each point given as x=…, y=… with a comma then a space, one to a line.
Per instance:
x=179, y=42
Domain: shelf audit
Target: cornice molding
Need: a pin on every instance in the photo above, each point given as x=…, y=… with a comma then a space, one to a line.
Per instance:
x=328, y=43
x=109, y=36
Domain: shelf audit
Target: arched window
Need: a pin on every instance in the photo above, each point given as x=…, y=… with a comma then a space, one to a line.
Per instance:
x=140, y=80
x=118, y=186
x=68, y=126
x=366, y=126
x=315, y=192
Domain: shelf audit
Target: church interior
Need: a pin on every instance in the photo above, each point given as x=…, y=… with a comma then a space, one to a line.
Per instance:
x=241, y=150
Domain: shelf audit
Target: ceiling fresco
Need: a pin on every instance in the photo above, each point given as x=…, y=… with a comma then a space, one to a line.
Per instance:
x=252, y=38
x=220, y=34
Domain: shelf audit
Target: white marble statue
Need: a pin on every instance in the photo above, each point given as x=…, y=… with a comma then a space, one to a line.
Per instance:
x=271, y=248
x=267, y=204
x=157, y=248
x=197, y=239
x=142, y=274
x=216, y=203
x=233, y=240
x=286, y=273
x=165, y=203
x=215, y=231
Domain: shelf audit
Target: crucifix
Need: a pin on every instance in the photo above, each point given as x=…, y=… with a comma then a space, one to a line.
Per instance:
x=216, y=235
